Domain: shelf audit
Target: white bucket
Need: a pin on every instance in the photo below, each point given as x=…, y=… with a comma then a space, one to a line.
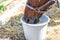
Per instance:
x=35, y=31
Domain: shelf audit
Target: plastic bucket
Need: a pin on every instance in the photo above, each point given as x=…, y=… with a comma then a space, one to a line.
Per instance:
x=35, y=31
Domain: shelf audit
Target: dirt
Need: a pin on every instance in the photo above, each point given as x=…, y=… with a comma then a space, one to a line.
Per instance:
x=13, y=30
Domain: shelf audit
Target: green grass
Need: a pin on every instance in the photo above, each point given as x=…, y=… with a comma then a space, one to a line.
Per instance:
x=2, y=8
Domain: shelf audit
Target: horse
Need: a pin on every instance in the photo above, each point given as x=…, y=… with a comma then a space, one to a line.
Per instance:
x=34, y=10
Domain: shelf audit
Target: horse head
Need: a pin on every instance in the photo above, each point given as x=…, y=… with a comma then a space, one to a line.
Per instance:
x=35, y=8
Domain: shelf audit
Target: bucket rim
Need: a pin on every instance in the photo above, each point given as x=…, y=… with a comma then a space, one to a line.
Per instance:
x=39, y=24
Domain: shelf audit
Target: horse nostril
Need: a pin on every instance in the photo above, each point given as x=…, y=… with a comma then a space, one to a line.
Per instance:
x=27, y=20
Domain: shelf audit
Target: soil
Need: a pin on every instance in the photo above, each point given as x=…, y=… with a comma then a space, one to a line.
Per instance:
x=13, y=30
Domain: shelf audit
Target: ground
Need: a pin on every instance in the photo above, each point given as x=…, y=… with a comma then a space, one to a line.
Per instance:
x=14, y=30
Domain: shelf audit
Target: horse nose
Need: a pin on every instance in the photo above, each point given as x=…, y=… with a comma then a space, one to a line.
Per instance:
x=32, y=20
x=28, y=20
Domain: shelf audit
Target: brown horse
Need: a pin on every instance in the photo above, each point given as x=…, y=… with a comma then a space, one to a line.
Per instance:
x=34, y=8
